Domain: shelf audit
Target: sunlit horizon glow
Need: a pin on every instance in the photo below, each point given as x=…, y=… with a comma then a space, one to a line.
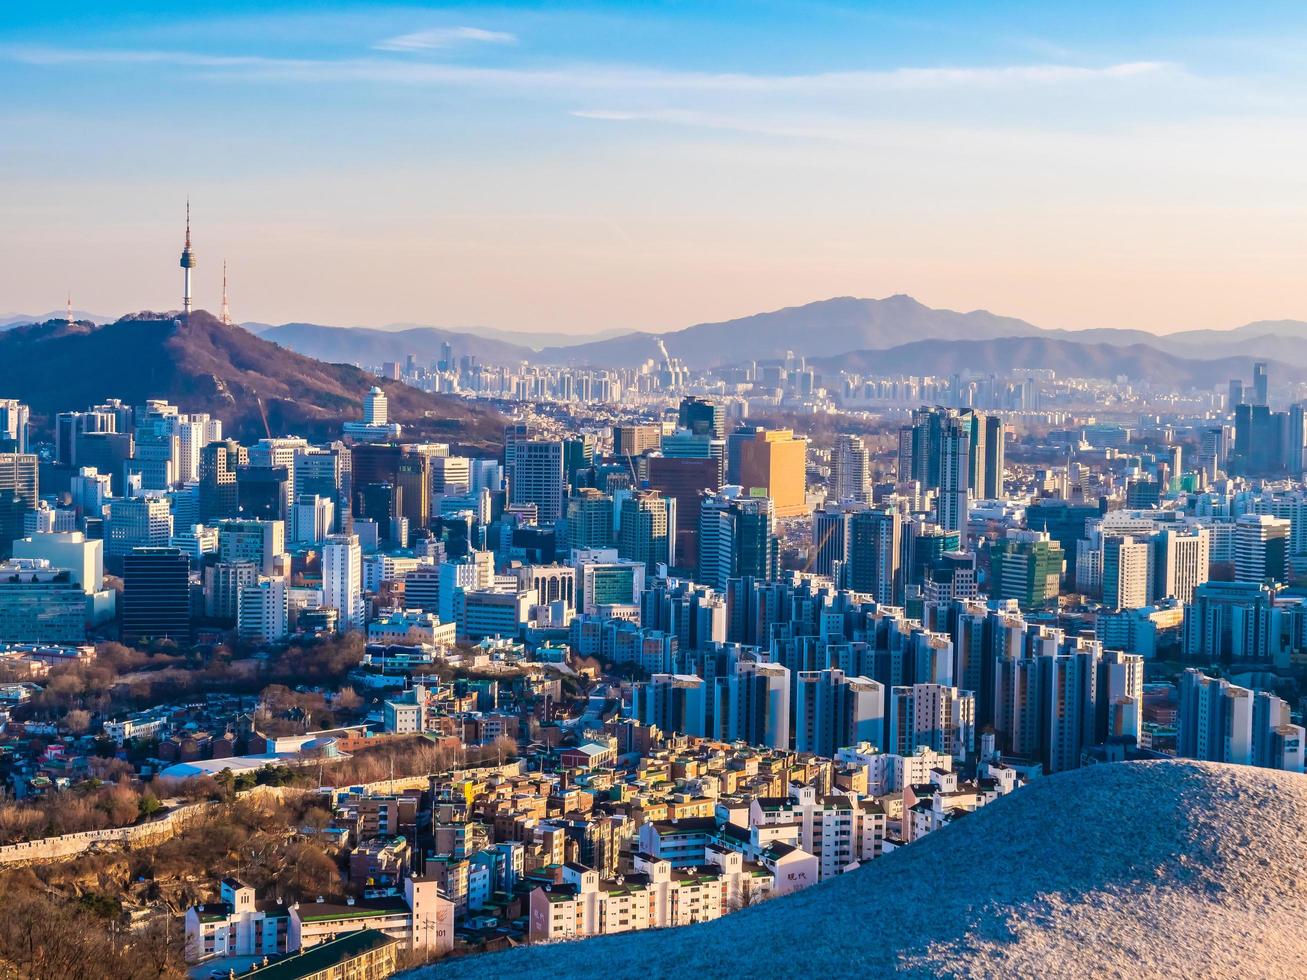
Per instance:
x=613, y=166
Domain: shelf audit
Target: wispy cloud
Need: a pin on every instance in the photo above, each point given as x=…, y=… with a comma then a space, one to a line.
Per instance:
x=604, y=78
x=444, y=37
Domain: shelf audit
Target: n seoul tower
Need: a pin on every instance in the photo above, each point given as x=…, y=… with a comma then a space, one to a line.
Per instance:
x=188, y=263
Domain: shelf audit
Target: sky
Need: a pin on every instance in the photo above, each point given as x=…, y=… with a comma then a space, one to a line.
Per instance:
x=582, y=167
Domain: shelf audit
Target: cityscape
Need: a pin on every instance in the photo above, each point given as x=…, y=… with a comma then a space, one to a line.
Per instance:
x=857, y=634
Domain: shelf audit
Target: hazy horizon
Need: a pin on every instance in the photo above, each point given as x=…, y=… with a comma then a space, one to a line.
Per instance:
x=535, y=168
x=599, y=333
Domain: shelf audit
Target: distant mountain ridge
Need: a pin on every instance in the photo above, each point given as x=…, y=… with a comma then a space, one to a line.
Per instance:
x=831, y=326
x=1001, y=355
x=823, y=329
x=372, y=346
x=204, y=365
x=19, y=319
x=820, y=330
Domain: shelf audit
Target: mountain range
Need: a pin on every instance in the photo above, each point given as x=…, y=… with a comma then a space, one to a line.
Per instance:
x=1128, y=869
x=207, y=366
x=836, y=328
x=890, y=334
x=1138, y=362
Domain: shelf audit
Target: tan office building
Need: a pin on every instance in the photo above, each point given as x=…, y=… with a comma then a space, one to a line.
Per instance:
x=774, y=464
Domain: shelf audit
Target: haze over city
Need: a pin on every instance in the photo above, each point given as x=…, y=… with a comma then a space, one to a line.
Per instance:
x=614, y=166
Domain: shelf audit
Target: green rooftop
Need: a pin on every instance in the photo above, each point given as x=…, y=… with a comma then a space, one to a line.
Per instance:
x=323, y=956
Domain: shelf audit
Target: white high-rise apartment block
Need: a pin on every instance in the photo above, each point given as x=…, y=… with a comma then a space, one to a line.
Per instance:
x=1126, y=567
x=262, y=611
x=851, y=470
x=1184, y=556
x=313, y=518
x=939, y=717
x=194, y=432
x=342, y=580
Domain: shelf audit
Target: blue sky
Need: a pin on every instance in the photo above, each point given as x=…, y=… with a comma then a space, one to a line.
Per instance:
x=588, y=166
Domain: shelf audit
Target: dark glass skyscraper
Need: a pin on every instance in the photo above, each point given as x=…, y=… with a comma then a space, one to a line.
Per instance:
x=156, y=595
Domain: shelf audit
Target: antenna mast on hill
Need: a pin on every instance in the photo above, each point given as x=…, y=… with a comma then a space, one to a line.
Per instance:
x=226, y=311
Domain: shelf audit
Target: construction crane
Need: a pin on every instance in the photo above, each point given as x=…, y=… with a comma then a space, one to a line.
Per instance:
x=263, y=415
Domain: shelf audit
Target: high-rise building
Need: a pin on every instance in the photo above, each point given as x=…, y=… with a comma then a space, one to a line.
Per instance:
x=342, y=580
x=685, y=479
x=995, y=458
x=758, y=701
x=833, y=711
x=279, y=453
x=1064, y=522
x=18, y=475
x=872, y=562
x=257, y=541
x=413, y=478
x=1296, y=440
x=263, y=611
x=1260, y=436
x=261, y=492
x=194, y=432
x=1027, y=566
x=1215, y=720
x=535, y=476
x=1235, y=397
x=684, y=444
x=673, y=703
x=219, y=463
x=324, y=473
x=223, y=583
x=1068, y=710
x=14, y=418
x=156, y=599
x=647, y=529
x=313, y=518
x=590, y=519
x=375, y=408
x=106, y=452
x=850, y=470
x=947, y=451
x=737, y=537
x=157, y=455
x=830, y=538
x=702, y=417
x=1181, y=561
x=1261, y=548
x=773, y=463
x=1261, y=383
x=1230, y=621
x=636, y=440
x=1127, y=571
x=1120, y=701
x=934, y=715
x=136, y=522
